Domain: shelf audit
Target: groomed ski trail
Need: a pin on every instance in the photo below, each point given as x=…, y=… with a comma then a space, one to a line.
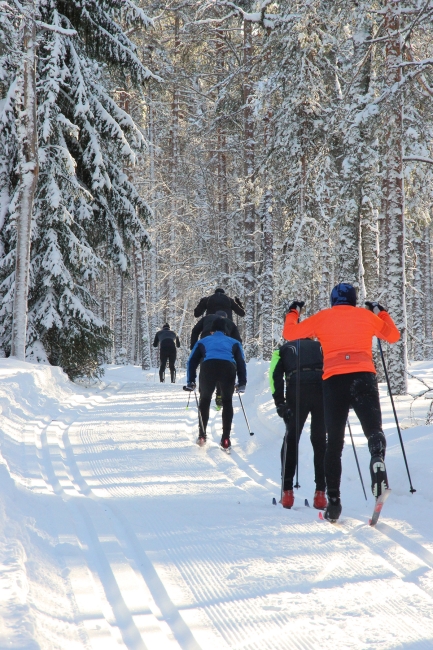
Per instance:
x=168, y=545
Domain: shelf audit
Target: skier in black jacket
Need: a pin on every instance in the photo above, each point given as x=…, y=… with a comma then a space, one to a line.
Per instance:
x=204, y=327
x=283, y=364
x=168, y=342
x=217, y=301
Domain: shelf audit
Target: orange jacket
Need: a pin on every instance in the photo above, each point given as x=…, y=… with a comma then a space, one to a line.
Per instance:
x=345, y=334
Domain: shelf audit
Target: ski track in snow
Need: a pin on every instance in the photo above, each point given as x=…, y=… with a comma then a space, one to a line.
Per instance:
x=167, y=545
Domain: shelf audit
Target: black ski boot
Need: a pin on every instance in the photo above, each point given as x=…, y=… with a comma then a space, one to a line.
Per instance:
x=333, y=509
x=379, y=479
x=225, y=443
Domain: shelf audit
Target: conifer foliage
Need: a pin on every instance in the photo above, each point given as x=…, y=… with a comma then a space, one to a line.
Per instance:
x=87, y=213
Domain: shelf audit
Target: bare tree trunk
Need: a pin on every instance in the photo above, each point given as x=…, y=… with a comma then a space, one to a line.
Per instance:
x=428, y=352
x=249, y=210
x=395, y=223
x=28, y=178
x=142, y=310
x=153, y=253
x=419, y=297
x=118, y=330
x=267, y=282
x=174, y=162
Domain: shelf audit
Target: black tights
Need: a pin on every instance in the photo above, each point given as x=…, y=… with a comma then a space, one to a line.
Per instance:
x=357, y=390
x=224, y=373
x=311, y=401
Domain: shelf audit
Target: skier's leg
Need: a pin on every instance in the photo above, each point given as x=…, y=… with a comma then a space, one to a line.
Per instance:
x=163, y=359
x=318, y=434
x=206, y=387
x=336, y=400
x=290, y=434
x=226, y=381
x=366, y=404
x=171, y=363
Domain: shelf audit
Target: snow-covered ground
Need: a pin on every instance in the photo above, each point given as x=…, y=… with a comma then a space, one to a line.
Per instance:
x=119, y=532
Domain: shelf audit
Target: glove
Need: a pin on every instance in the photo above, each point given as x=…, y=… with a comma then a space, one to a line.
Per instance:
x=284, y=411
x=375, y=307
x=190, y=386
x=240, y=389
x=297, y=304
x=238, y=302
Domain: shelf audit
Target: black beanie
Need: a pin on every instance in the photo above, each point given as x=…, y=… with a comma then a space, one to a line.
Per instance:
x=218, y=325
x=219, y=290
x=166, y=326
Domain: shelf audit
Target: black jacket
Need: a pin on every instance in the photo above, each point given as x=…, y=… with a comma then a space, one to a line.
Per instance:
x=166, y=339
x=283, y=365
x=204, y=327
x=219, y=301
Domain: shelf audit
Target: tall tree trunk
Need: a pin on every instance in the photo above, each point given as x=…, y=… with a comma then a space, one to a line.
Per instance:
x=142, y=310
x=419, y=297
x=28, y=178
x=118, y=318
x=394, y=217
x=267, y=279
x=153, y=253
x=249, y=210
x=174, y=162
x=427, y=275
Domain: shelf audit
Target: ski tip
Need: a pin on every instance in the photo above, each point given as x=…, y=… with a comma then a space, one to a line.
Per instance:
x=251, y=433
x=306, y=503
x=274, y=501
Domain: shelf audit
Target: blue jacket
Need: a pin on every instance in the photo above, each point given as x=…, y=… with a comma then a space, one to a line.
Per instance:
x=217, y=346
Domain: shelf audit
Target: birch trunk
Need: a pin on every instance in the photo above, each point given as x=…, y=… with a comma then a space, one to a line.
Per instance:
x=142, y=310
x=394, y=217
x=28, y=178
x=174, y=162
x=153, y=255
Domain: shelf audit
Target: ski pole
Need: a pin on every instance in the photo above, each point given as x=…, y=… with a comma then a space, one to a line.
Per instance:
x=283, y=466
x=189, y=395
x=356, y=458
x=245, y=415
x=199, y=413
x=412, y=489
x=298, y=400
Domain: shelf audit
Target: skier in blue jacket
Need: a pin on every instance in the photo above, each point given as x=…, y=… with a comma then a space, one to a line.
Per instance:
x=221, y=358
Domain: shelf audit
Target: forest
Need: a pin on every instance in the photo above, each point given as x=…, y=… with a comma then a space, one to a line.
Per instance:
x=153, y=151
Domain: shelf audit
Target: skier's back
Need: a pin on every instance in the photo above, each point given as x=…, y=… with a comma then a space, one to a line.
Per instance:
x=168, y=341
x=203, y=328
x=349, y=378
x=219, y=301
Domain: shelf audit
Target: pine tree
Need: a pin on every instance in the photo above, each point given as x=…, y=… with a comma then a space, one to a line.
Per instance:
x=87, y=212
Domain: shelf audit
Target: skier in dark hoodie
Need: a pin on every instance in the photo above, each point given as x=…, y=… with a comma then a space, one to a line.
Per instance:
x=284, y=366
x=168, y=341
x=221, y=358
x=217, y=301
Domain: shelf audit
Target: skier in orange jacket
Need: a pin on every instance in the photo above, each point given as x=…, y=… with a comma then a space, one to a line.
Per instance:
x=349, y=378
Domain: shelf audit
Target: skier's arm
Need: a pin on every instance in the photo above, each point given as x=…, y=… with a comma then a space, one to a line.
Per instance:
x=387, y=329
x=238, y=309
x=241, y=367
x=201, y=308
x=194, y=359
x=276, y=377
x=177, y=342
x=234, y=333
x=156, y=341
x=293, y=330
x=195, y=333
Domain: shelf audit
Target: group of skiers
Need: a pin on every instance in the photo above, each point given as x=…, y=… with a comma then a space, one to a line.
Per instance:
x=327, y=367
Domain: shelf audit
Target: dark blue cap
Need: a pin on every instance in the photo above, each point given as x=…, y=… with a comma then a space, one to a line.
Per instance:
x=343, y=294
